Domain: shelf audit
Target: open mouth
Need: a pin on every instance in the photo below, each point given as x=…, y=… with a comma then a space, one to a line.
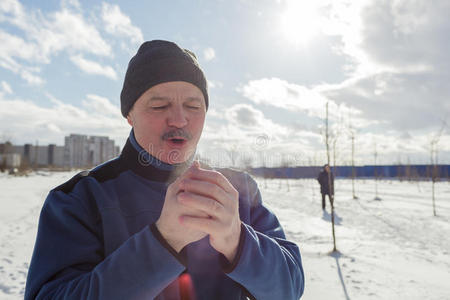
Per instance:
x=177, y=141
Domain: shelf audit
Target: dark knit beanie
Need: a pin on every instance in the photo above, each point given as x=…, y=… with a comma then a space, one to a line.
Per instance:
x=158, y=62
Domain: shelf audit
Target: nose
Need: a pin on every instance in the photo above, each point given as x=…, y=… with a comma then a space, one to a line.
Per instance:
x=177, y=117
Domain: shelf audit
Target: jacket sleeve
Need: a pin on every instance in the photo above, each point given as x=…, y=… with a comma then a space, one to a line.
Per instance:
x=320, y=178
x=68, y=260
x=267, y=265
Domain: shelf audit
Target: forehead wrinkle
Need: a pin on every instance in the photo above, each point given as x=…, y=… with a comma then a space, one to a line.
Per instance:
x=194, y=99
x=159, y=98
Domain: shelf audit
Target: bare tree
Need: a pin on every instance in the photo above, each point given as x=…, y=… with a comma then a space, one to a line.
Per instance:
x=331, y=195
x=6, y=141
x=264, y=167
x=285, y=164
x=352, y=133
x=247, y=162
x=233, y=154
x=375, y=171
x=434, y=163
x=334, y=138
x=6, y=137
x=312, y=163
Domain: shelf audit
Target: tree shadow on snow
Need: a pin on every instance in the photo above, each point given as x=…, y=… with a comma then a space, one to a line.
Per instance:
x=327, y=217
x=337, y=255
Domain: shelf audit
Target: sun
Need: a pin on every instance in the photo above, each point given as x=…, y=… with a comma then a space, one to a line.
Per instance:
x=300, y=22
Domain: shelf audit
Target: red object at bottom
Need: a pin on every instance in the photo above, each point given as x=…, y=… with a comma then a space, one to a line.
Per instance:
x=186, y=287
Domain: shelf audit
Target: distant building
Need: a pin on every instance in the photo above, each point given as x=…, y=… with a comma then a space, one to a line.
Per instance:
x=82, y=151
x=79, y=151
x=8, y=157
x=10, y=160
x=6, y=148
x=41, y=156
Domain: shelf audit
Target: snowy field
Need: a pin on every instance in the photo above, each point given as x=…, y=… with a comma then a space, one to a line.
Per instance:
x=389, y=249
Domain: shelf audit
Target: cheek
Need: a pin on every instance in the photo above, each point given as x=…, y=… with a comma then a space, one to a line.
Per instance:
x=197, y=126
x=150, y=128
x=151, y=122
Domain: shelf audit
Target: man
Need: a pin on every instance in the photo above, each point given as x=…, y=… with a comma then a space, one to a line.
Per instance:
x=326, y=180
x=152, y=224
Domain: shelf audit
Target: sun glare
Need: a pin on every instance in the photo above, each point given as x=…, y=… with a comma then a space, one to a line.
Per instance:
x=300, y=21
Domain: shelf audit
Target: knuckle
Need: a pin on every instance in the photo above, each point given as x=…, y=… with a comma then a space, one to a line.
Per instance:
x=213, y=174
x=184, y=183
x=215, y=190
x=181, y=197
x=217, y=175
x=178, y=198
x=214, y=205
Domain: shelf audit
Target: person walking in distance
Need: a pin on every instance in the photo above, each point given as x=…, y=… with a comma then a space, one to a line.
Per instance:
x=326, y=181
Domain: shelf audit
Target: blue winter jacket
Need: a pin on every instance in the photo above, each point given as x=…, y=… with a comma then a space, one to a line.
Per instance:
x=97, y=240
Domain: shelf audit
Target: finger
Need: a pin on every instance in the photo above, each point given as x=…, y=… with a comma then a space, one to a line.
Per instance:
x=204, y=188
x=211, y=176
x=189, y=171
x=205, y=204
x=174, y=187
x=185, y=175
x=201, y=224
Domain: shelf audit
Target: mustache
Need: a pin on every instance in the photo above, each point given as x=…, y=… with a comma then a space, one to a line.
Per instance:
x=176, y=133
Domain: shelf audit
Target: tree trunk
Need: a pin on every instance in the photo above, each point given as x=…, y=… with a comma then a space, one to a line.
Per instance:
x=353, y=166
x=331, y=192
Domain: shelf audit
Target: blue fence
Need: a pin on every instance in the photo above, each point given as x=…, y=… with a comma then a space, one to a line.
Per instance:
x=392, y=171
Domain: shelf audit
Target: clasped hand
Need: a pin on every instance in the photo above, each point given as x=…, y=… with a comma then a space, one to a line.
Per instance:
x=199, y=203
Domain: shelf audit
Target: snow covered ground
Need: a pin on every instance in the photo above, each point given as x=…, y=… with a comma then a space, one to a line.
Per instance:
x=389, y=249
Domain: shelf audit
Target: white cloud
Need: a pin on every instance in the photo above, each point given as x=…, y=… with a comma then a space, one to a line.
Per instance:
x=51, y=124
x=44, y=36
x=119, y=24
x=245, y=115
x=248, y=120
x=399, y=101
x=214, y=84
x=412, y=34
x=389, y=36
x=101, y=105
x=15, y=47
x=11, y=11
x=243, y=133
x=48, y=34
x=209, y=54
x=5, y=88
x=68, y=30
x=75, y=4
x=297, y=98
x=242, y=128
x=12, y=49
x=280, y=93
x=92, y=67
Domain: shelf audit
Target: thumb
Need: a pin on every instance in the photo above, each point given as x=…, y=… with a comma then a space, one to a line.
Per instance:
x=196, y=164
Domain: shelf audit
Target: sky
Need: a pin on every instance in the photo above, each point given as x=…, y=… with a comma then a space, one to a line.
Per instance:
x=383, y=67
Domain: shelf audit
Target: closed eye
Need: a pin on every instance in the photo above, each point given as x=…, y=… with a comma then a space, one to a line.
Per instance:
x=160, y=107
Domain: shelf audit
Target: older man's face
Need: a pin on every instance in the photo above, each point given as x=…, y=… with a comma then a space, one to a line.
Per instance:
x=168, y=120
